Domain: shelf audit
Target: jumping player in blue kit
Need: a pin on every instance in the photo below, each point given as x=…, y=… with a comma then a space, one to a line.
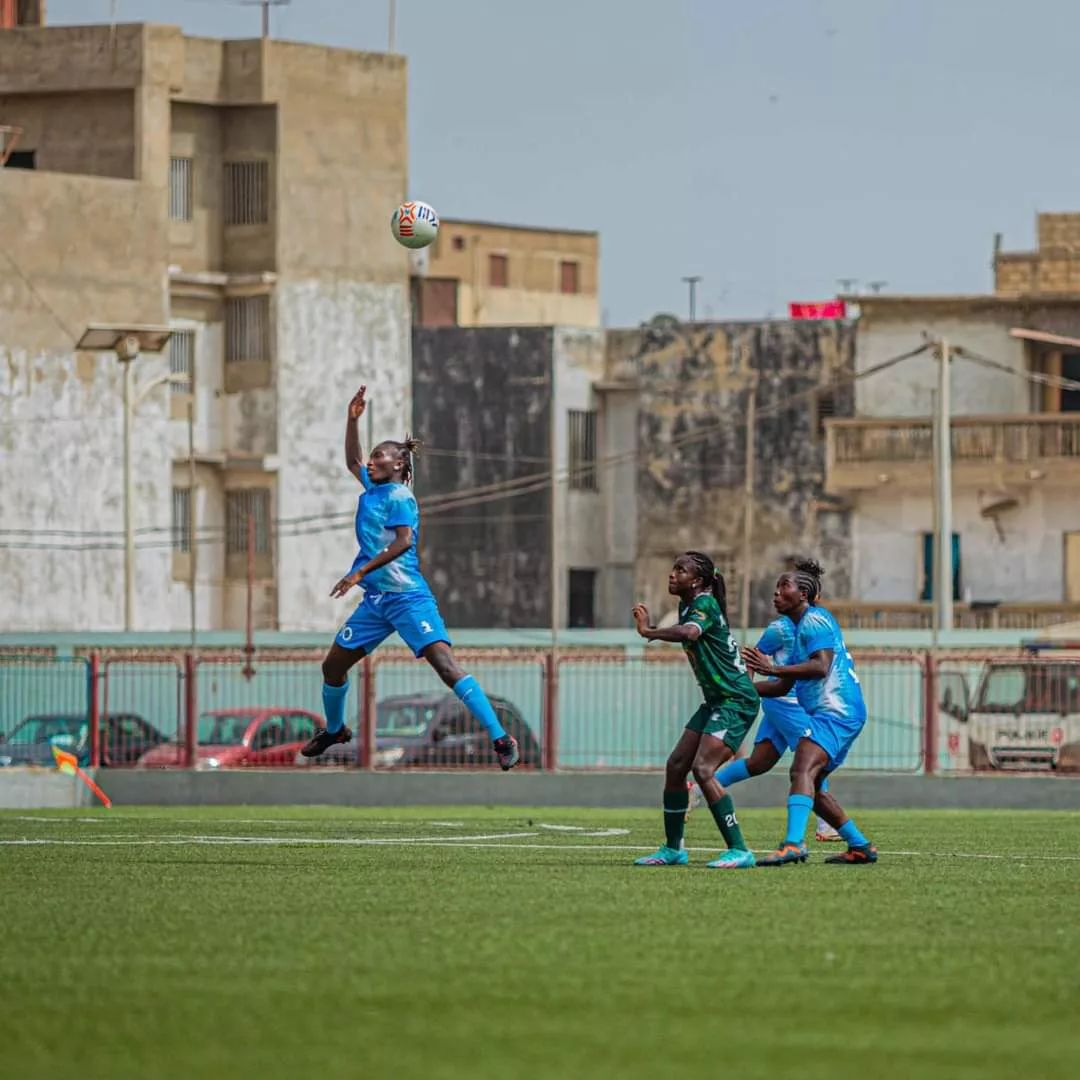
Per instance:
x=827, y=689
x=396, y=596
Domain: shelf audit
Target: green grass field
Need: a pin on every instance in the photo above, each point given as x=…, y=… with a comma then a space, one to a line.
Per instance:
x=452, y=944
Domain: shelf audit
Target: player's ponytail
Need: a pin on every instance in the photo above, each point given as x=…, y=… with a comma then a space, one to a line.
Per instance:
x=407, y=449
x=712, y=578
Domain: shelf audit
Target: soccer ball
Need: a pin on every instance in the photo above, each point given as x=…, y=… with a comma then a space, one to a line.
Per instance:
x=414, y=225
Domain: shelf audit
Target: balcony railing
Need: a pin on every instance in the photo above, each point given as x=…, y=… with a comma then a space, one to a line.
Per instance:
x=866, y=451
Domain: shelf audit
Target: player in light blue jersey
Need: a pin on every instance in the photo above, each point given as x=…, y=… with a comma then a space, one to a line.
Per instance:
x=396, y=595
x=782, y=726
x=827, y=688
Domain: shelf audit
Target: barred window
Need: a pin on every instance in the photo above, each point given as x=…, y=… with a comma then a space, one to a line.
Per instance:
x=182, y=354
x=180, y=188
x=181, y=520
x=247, y=328
x=241, y=506
x=583, y=475
x=247, y=193
x=569, y=277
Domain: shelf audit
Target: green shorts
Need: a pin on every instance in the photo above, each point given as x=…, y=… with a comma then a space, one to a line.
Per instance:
x=730, y=721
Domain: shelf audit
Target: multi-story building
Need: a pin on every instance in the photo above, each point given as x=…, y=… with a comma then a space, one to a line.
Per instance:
x=478, y=274
x=1015, y=438
x=240, y=192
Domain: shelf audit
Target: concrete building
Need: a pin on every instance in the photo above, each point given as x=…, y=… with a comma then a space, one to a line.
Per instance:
x=507, y=410
x=1016, y=456
x=479, y=274
x=239, y=191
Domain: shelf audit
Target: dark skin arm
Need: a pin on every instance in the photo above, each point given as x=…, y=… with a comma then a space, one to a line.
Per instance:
x=675, y=634
x=354, y=457
x=774, y=687
x=403, y=540
x=816, y=667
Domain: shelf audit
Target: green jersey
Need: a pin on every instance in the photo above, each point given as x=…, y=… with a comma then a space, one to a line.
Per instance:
x=715, y=658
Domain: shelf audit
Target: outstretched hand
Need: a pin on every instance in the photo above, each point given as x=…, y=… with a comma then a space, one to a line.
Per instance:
x=358, y=404
x=348, y=582
x=642, y=619
x=757, y=661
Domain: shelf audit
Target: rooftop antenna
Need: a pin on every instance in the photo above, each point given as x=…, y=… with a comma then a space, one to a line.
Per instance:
x=265, y=5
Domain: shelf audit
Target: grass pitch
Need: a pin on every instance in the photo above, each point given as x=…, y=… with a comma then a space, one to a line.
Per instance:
x=446, y=944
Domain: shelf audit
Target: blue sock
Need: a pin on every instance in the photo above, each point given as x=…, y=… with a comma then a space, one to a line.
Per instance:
x=333, y=703
x=825, y=784
x=475, y=700
x=850, y=832
x=798, y=814
x=733, y=772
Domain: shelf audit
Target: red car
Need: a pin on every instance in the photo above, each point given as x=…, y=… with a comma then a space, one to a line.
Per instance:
x=230, y=738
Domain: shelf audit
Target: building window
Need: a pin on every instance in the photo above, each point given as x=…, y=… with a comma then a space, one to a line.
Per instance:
x=182, y=355
x=180, y=188
x=247, y=328
x=582, y=599
x=569, y=277
x=929, y=561
x=582, y=463
x=247, y=193
x=1070, y=369
x=181, y=520
x=244, y=506
x=458, y=243
x=21, y=159
x=826, y=408
x=498, y=271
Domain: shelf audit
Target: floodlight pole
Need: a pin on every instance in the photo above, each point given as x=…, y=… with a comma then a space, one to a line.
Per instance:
x=127, y=351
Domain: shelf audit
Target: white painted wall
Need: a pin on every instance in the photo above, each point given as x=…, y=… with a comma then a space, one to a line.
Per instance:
x=1026, y=566
x=905, y=390
x=332, y=337
x=61, y=472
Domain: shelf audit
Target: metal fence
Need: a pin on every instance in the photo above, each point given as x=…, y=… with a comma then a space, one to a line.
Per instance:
x=589, y=709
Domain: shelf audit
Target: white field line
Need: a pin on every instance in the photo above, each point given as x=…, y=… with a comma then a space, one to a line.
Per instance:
x=473, y=842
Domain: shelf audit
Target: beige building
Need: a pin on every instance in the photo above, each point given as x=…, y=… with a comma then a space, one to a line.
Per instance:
x=239, y=191
x=479, y=274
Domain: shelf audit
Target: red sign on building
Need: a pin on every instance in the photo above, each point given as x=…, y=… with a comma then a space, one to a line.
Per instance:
x=823, y=309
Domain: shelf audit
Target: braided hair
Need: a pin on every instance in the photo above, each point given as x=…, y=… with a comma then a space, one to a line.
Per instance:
x=807, y=574
x=712, y=577
x=406, y=450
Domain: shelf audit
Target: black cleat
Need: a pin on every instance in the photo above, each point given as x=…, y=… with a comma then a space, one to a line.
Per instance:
x=324, y=740
x=507, y=750
x=860, y=855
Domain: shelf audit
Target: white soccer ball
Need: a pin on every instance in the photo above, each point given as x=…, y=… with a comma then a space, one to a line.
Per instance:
x=414, y=225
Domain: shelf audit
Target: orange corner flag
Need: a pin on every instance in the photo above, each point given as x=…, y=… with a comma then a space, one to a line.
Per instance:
x=69, y=764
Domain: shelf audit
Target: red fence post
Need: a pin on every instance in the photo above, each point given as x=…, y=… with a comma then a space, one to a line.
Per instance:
x=365, y=757
x=94, y=678
x=550, y=747
x=191, y=708
x=930, y=713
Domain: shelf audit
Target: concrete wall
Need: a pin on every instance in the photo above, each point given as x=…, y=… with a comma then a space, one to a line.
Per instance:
x=905, y=390
x=483, y=397
x=694, y=397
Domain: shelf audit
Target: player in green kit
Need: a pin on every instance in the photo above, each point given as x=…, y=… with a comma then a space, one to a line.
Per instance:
x=715, y=732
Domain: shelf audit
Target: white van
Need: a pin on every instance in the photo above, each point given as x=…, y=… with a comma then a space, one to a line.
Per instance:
x=1024, y=715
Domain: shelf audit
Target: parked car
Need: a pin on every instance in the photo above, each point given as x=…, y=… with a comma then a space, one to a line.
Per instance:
x=125, y=737
x=434, y=731
x=1024, y=715
x=261, y=737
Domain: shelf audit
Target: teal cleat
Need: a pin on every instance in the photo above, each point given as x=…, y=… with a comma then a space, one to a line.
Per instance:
x=664, y=857
x=735, y=859
x=784, y=854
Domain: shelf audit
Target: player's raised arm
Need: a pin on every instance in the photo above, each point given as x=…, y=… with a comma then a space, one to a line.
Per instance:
x=354, y=458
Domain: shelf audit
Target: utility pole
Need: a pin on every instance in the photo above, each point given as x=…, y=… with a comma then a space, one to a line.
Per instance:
x=693, y=283
x=391, y=36
x=943, y=591
x=748, y=511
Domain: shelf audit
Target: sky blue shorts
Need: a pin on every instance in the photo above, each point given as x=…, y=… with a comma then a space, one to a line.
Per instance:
x=414, y=616
x=835, y=735
x=783, y=723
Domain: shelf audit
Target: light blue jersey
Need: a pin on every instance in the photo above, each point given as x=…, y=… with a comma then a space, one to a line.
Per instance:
x=777, y=642
x=838, y=694
x=784, y=721
x=379, y=510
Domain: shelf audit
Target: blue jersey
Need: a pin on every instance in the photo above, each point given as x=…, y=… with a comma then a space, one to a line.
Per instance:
x=380, y=509
x=777, y=642
x=839, y=693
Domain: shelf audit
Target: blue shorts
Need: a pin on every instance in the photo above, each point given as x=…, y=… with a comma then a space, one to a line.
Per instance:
x=835, y=735
x=783, y=723
x=413, y=615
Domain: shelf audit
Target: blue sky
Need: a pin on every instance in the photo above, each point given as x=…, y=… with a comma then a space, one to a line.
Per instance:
x=771, y=146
